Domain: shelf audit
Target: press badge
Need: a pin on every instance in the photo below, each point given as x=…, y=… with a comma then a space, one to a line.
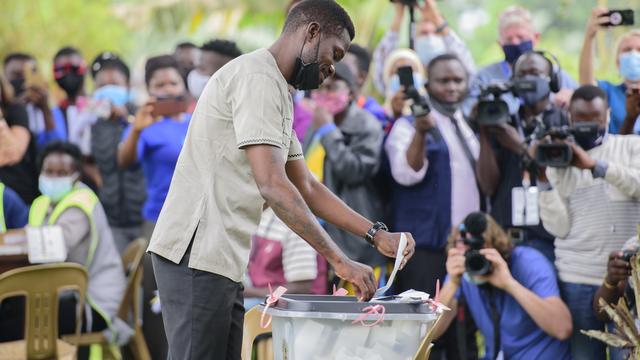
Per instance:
x=45, y=244
x=524, y=206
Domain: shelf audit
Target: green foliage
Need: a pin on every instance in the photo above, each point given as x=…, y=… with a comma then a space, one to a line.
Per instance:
x=41, y=27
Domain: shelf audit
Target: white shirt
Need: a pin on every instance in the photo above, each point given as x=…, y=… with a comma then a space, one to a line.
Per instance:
x=465, y=197
x=593, y=217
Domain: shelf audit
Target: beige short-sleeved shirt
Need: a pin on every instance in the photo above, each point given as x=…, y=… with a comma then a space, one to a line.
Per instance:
x=246, y=102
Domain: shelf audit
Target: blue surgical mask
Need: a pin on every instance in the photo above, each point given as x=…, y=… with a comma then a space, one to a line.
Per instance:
x=428, y=47
x=394, y=82
x=56, y=187
x=117, y=95
x=630, y=65
x=513, y=52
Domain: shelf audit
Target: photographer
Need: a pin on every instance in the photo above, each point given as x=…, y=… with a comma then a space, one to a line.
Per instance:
x=615, y=285
x=517, y=36
x=433, y=37
x=503, y=164
x=624, y=98
x=592, y=208
x=432, y=160
x=516, y=304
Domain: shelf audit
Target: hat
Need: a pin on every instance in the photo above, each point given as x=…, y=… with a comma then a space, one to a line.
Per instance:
x=108, y=60
x=344, y=73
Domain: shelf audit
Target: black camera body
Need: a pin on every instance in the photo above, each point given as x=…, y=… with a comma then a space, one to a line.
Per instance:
x=561, y=155
x=420, y=106
x=628, y=254
x=475, y=263
x=471, y=231
x=623, y=17
x=406, y=2
x=494, y=111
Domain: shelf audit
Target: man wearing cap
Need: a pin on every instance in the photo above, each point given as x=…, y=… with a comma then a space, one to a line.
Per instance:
x=351, y=139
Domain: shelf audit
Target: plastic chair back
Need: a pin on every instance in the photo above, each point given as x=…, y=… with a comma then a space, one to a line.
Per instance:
x=41, y=285
x=251, y=331
x=132, y=260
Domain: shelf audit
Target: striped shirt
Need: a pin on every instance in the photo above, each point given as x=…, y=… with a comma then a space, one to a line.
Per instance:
x=593, y=217
x=299, y=259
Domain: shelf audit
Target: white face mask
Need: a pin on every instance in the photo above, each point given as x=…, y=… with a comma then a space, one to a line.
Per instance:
x=196, y=82
x=428, y=47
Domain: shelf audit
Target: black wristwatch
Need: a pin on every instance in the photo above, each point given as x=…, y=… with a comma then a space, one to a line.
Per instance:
x=373, y=231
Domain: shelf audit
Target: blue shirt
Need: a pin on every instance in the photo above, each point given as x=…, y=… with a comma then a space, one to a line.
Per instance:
x=520, y=337
x=617, y=98
x=16, y=213
x=501, y=72
x=158, y=150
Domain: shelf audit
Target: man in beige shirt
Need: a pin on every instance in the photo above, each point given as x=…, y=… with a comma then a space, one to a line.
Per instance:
x=241, y=154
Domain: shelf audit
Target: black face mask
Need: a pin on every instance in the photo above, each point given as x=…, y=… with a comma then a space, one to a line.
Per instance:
x=18, y=86
x=71, y=83
x=306, y=76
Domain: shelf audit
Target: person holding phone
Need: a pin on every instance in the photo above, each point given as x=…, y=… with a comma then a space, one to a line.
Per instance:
x=154, y=140
x=624, y=98
x=157, y=133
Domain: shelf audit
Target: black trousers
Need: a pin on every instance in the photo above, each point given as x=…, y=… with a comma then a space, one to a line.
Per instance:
x=203, y=312
x=421, y=273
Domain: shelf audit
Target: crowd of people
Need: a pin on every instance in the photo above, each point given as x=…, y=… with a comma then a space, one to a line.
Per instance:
x=552, y=226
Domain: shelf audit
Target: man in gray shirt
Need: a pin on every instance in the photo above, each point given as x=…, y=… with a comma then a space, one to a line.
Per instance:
x=239, y=155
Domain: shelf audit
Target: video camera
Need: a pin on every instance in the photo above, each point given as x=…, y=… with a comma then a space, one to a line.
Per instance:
x=475, y=263
x=420, y=106
x=628, y=254
x=494, y=111
x=561, y=155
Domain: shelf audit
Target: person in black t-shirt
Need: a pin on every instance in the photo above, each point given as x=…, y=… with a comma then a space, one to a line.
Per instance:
x=17, y=147
x=505, y=163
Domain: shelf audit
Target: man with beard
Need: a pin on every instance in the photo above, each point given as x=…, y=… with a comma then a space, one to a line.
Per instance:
x=241, y=154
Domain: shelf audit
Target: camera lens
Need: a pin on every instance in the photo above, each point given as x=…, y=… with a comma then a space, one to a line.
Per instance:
x=615, y=18
x=476, y=264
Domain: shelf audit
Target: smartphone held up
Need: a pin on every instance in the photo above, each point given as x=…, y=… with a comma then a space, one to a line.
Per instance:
x=624, y=17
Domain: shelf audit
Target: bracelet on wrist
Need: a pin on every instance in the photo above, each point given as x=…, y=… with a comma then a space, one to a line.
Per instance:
x=607, y=285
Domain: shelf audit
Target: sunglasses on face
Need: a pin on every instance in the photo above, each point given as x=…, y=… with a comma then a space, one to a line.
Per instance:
x=59, y=70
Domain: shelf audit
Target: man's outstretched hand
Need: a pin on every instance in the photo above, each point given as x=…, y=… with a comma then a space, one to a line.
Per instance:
x=387, y=244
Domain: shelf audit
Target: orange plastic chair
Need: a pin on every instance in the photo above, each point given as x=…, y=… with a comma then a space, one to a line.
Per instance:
x=41, y=286
x=251, y=330
x=129, y=310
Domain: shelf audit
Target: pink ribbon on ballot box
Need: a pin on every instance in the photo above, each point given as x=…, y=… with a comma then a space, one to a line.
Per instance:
x=273, y=298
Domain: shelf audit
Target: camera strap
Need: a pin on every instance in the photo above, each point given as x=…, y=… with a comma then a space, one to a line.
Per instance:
x=495, y=319
x=461, y=328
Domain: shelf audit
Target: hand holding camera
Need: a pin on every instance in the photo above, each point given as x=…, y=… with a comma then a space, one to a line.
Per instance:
x=618, y=267
x=633, y=103
x=500, y=277
x=455, y=265
x=581, y=158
